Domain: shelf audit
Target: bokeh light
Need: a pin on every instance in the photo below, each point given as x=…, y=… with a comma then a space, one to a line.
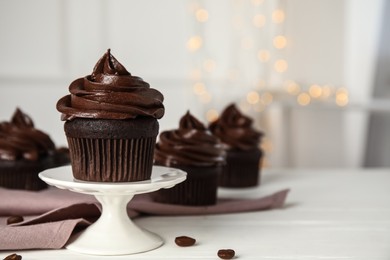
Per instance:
x=253, y=97
x=303, y=99
x=212, y=115
x=281, y=65
x=342, y=98
x=194, y=43
x=202, y=15
x=278, y=16
x=257, y=2
x=263, y=55
x=267, y=98
x=292, y=87
x=315, y=91
x=199, y=88
x=259, y=20
x=280, y=42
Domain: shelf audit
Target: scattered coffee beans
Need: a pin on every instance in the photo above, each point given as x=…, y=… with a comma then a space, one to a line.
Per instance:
x=13, y=257
x=185, y=241
x=226, y=253
x=14, y=219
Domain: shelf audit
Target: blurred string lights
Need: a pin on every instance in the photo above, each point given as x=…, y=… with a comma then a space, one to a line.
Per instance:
x=259, y=44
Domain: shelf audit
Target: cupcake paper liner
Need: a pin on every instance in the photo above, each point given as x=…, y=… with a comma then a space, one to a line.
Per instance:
x=22, y=177
x=242, y=169
x=199, y=189
x=111, y=160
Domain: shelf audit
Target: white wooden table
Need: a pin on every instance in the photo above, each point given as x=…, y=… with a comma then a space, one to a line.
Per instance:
x=329, y=214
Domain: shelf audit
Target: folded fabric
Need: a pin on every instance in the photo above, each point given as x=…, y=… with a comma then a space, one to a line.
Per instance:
x=51, y=230
x=27, y=203
x=62, y=212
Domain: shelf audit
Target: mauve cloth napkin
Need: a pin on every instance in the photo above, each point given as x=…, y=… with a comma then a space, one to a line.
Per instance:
x=52, y=215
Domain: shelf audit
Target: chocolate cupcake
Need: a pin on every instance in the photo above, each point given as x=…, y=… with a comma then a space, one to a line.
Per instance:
x=24, y=152
x=195, y=150
x=111, y=124
x=241, y=142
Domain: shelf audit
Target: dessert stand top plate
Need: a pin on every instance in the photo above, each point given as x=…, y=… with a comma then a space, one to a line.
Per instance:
x=113, y=233
x=162, y=177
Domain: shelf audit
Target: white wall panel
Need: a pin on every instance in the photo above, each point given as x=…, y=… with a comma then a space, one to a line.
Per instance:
x=31, y=39
x=315, y=32
x=150, y=37
x=86, y=35
x=360, y=52
x=317, y=135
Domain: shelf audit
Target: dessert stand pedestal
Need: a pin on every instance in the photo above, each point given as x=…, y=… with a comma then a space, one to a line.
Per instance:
x=114, y=233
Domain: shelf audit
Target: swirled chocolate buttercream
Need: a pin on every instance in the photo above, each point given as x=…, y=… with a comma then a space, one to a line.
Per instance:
x=20, y=140
x=192, y=144
x=110, y=92
x=235, y=129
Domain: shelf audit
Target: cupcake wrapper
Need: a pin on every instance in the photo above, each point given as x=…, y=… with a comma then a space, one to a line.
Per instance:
x=242, y=169
x=22, y=178
x=111, y=160
x=199, y=189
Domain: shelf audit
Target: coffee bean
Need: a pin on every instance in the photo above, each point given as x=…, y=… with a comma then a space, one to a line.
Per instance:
x=13, y=257
x=226, y=253
x=14, y=219
x=185, y=241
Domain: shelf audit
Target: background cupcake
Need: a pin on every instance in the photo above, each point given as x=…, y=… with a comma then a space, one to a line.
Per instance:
x=24, y=152
x=111, y=124
x=195, y=150
x=241, y=142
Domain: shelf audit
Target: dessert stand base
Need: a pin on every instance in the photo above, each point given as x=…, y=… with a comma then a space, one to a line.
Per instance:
x=114, y=233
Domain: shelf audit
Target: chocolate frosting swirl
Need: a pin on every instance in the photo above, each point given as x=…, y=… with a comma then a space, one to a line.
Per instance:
x=235, y=130
x=20, y=140
x=192, y=144
x=110, y=92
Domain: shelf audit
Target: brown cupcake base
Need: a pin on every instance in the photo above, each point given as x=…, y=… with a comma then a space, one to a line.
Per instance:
x=242, y=169
x=199, y=189
x=103, y=150
x=111, y=160
x=23, y=175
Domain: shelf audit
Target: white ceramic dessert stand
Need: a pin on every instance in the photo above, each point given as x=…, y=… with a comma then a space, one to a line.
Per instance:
x=114, y=233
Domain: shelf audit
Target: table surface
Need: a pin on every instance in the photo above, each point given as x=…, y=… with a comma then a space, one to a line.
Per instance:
x=329, y=214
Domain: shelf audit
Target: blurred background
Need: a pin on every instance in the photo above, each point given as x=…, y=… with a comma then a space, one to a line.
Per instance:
x=314, y=75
